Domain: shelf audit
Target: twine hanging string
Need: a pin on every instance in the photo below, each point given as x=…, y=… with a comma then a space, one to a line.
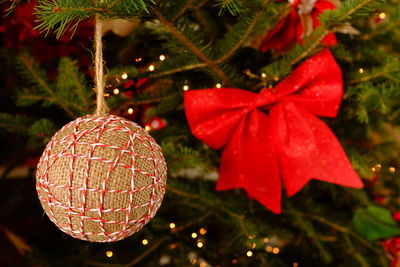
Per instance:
x=101, y=105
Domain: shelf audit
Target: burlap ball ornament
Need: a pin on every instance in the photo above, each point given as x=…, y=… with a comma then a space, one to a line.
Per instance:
x=101, y=178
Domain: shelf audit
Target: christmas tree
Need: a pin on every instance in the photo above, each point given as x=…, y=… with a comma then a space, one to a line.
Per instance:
x=278, y=122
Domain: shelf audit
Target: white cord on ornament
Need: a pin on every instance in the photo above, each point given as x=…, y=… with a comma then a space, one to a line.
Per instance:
x=101, y=105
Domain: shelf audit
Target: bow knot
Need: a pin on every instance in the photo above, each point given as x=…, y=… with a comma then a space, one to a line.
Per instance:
x=287, y=143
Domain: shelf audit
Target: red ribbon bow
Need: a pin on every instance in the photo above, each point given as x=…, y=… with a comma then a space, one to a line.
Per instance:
x=275, y=133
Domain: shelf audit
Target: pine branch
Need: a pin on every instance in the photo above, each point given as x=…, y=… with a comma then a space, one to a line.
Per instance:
x=147, y=252
x=31, y=72
x=55, y=100
x=70, y=83
x=15, y=123
x=182, y=10
x=177, y=70
x=390, y=66
x=186, y=42
x=234, y=7
x=60, y=15
x=242, y=35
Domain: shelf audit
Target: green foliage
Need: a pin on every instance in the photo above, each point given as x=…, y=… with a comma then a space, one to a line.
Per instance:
x=179, y=156
x=43, y=130
x=38, y=131
x=62, y=14
x=375, y=222
x=14, y=123
x=234, y=7
x=351, y=9
x=68, y=92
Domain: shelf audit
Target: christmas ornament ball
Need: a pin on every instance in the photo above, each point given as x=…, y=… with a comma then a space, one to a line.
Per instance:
x=101, y=178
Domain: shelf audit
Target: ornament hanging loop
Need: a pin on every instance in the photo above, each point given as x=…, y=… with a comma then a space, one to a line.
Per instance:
x=101, y=105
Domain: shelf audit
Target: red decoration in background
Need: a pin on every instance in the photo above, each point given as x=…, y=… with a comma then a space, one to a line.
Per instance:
x=293, y=27
x=275, y=134
x=17, y=32
x=156, y=124
x=392, y=249
x=396, y=216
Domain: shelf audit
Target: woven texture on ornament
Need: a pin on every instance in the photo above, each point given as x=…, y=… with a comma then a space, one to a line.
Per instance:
x=101, y=178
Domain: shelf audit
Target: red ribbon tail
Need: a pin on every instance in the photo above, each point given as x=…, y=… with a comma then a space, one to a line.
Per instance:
x=308, y=149
x=249, y=161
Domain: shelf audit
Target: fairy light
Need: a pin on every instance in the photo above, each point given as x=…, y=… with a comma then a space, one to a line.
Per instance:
x=253, y=245
x=116, y=91
x=172, y=225
x=275, y=250
x=218, y=85
x=234, y=261
x=124, y=76
x=106, y=94
x=109, y=254
x=138, y=59
x=162, y=57
x=392, y=170
x=373, y=169
x=382, y=15
x=151, y=67
x=276, y=78
x=263, y=75
x=200, y=244
x=361, y=70
x=251, y=236
x=185, y=87
x=203, y=231
x=145, y=242
x=148, y=128
x=249, y=253
x=269, y=249
x=130, y=111
x=202, y=264
x=295, y=264
x=194, y=235
x=266, y=239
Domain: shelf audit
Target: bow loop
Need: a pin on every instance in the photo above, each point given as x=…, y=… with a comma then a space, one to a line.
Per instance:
x=316, y=85
x=214, y=114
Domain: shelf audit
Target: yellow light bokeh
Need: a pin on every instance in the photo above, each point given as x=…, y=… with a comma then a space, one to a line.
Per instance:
x=203, y=231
